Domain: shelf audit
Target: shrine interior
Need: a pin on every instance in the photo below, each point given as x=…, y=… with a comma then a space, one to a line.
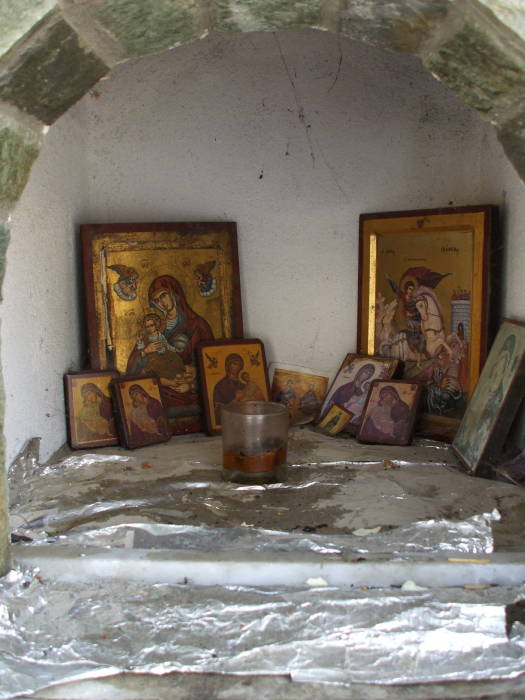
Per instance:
x=291, y=133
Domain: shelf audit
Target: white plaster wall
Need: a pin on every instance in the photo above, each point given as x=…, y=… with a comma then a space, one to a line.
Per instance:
x=505, y=189
x=291, y=135
x=40, y=333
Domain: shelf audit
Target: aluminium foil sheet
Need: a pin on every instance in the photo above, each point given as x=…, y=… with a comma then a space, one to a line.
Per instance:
x=52, y=632
x=339, y=499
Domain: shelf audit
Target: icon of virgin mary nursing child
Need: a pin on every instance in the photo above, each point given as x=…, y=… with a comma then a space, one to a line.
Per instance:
x=173, y=340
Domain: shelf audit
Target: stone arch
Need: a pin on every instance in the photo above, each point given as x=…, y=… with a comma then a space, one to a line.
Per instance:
x=54, y=51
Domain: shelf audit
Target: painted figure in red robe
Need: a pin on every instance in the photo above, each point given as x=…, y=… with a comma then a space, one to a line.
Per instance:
x=183, y=329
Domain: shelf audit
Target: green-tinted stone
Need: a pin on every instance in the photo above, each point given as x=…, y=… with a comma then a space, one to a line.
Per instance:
x=223, y=20
x=479, y=72
x=51, y=71
x=4, y=242
x=16, y=158
x=260, y=15
x=148, y=26
x=18, y=17
x=4, y=499
x=512, y=138
x=510, y=13
x=5, y=558
x=401, y=25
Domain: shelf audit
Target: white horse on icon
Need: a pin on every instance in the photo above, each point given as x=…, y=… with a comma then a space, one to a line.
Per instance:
x=432, y=326
x=392, y=341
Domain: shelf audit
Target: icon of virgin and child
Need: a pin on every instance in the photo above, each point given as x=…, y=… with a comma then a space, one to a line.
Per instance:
x=166, y=343
x=235, y=385
x=354, y=382
x=387, y=416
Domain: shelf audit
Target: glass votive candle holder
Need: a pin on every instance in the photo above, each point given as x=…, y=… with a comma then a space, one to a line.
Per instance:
x=254, y=441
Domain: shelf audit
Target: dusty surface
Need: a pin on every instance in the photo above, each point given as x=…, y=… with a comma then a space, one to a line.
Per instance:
x=332, y=486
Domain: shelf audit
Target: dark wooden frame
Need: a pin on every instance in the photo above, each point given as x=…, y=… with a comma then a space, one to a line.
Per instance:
x=218, y=237
x=479, y=450
x=350, y=357
x=118, y=386
x=73, y=439
x=483, y=220
x=406, y=437
x=213, y=427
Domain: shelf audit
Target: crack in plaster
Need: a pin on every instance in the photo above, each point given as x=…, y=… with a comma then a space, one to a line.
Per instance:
x=300, y=108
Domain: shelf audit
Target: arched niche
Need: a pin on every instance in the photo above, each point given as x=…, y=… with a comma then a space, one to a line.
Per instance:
x=53, y=53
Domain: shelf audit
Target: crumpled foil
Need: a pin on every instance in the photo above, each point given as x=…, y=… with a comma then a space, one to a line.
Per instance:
x=51, y=632
x=416, y=541
x=328, y=494
x=173, y=498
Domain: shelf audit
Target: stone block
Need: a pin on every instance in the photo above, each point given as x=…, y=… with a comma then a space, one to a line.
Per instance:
x=509, y=12
x=18, y=17
x=17, y=154
x=49, y=71
x=222, y=16
x=5, y=559
x=476, y=67
x=400, y=25
x=5, y=531
x=150, y=26
x=4, y=242
x=264, y=15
